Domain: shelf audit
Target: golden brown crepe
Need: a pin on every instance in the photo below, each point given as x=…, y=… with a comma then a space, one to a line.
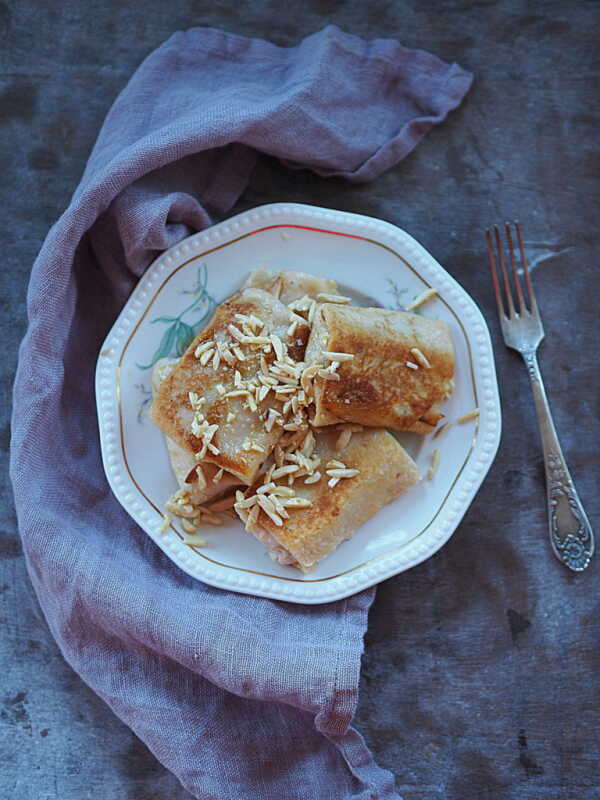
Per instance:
x=310, y=534
x=282, y=353
x=386, y=383
x=183, y=462
x=290, y=285
x=241, y=440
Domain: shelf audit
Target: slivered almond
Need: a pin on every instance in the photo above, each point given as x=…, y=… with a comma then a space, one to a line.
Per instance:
x=236, y=333
x=412, y=365
x=420, y=357
x=342, y=473
x=420, y=299
x=256, y=340
x=227, y=357
x=314, y=478
x=166, y=523
x=283, y=491
x=325, y=297
x=238, y=353
x=285, y=380
x=188, y=526
x=264, y=502
x=277, y=346
x=435, y=462
x=187, y=511
x=201, y=478
x=217, y=476
x=245, y=502
x=279, y=508
x=263, y=392
x=284, y=368
x=269, y=509
x=296, y=502
x=330, y=356
x=328, y=376
x=468, y=417
x=287, y=470
x=195, y=540
x=202, y=347
x=266, y=487
x=206, y=356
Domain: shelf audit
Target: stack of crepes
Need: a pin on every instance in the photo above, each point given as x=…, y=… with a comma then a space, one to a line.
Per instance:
x=280, y=407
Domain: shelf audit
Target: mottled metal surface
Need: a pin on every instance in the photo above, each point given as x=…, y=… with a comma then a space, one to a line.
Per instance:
x=480, y=672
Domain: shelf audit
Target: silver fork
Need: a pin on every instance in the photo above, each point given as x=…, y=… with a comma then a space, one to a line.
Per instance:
x=571, y=535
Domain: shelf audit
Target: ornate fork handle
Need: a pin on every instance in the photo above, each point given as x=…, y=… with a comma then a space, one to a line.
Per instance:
x=570, y=532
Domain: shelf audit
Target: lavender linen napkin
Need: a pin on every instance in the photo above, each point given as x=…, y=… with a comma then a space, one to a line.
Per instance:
x=240, y=697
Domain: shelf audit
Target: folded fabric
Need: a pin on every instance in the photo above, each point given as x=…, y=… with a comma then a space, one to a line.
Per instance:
x=240, y=697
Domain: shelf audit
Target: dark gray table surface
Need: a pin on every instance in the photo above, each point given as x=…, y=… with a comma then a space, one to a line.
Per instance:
x=510, y=708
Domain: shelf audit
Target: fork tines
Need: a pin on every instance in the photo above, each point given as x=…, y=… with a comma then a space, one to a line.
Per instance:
x=523, y=303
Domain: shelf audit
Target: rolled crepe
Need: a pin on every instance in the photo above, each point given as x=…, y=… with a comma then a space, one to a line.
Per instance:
x=385, y=471
x=241, y=440
x=290, y=285
x=401, y=369
x=183, y=462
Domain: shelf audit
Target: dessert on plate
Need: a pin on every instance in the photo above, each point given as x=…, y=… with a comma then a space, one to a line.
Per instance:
x=280, y=408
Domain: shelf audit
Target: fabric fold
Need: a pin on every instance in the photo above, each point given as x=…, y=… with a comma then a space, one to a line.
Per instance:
x=241, y=697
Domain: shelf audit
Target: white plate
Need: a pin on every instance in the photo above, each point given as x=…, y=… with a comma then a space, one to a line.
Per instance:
x=378, y=264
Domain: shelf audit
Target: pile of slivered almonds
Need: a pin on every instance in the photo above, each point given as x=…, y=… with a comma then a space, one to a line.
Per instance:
x=287, y=381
